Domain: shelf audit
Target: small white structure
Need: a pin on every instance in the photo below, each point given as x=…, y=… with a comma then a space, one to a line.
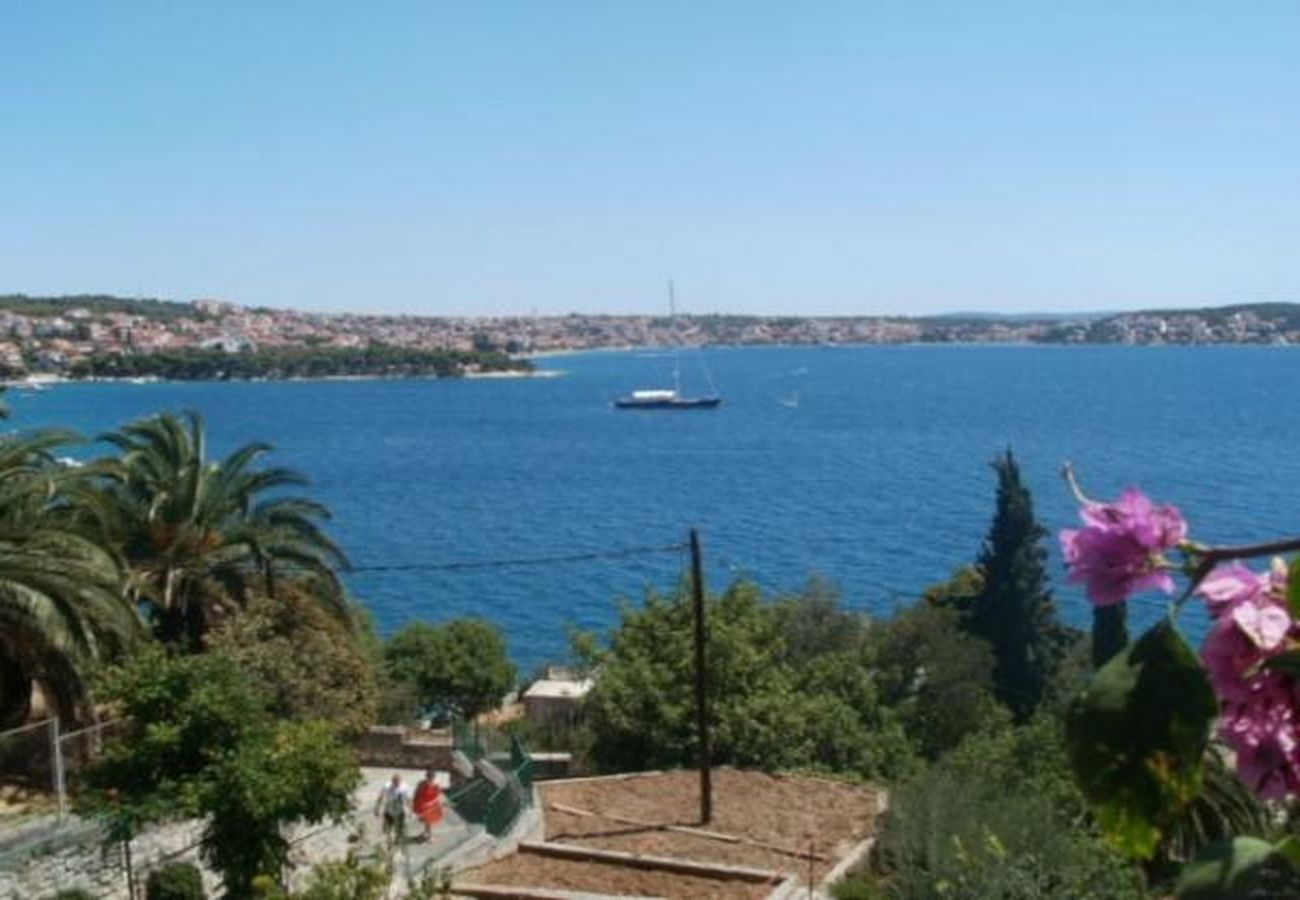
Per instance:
x=549, y=700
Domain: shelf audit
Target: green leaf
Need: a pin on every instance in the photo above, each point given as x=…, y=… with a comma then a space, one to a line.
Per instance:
x=1288, y=662
x=1289, y=849
x=1227, y=870
x=1137, y=736
x=1293, y=587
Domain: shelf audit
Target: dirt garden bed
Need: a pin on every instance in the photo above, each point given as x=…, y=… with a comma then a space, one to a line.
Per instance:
x=769, y=809
x=760, y=821
x=527, y=870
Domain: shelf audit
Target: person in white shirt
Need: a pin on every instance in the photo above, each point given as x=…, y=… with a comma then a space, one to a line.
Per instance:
x=392, y=804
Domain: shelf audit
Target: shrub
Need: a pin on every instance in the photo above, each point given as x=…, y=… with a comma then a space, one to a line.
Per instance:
x=855, y=887
x=935, y=677
x=309, y=664
x=175, y=881
x=74, y=894
x=205, y=745
x=952, y=837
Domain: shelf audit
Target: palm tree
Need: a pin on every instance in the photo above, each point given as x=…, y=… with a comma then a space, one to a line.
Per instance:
x=199, y=537
x=62, y=609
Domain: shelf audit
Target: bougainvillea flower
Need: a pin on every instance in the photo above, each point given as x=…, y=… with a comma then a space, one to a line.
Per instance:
x=1263, y=737
x=1230, y=585
x=1266, y=624
x=1252, y=624
x=1118, y=551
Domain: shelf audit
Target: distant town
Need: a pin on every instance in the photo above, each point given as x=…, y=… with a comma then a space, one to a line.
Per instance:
x=103, y=336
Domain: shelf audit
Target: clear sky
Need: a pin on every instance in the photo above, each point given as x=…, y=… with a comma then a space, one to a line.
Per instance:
x=553, y=155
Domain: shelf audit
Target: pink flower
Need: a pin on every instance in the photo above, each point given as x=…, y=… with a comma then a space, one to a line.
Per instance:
x=1265, y=624
x=1117, y=552
x=1263, y=737
x=1229, y=585
x=1259, y=721
x=1228, y=654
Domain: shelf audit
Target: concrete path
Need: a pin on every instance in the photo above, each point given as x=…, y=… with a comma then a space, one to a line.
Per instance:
x=414, y=854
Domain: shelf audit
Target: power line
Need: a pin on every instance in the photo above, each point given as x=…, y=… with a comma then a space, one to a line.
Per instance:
x=464, y=565
x=740, y=570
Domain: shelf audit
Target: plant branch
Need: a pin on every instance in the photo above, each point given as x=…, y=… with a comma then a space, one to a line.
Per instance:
x=1209, y=557
x=1245, y=551
x=1067, y=472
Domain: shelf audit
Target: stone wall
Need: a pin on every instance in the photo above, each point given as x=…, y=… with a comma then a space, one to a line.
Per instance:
x=395, y=747
x=74, y=856
x=392, y=746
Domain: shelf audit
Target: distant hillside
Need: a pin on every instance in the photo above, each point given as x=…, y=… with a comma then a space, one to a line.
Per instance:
x=96, y=304
x=1019, y=317
x=1285, y=314
x=99, y=335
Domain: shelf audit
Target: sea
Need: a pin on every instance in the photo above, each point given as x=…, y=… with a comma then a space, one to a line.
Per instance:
x=534, y=503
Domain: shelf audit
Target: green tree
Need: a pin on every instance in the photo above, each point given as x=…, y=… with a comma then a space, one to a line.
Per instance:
x=309, y=664
x=642, y=711
x=937, y=678
x=461, y=662
x=293, y=772
x=755, y=701
x=62, y=609
x=959, y=592
x=186, y=712
x=1014, y=610
x=769, y=709
x=845, y=727
x=203, y=743
x=201, y=536
x=295, y=362
x=813, y=622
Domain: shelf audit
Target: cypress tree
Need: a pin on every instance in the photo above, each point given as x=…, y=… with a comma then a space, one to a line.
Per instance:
x=1014, y=611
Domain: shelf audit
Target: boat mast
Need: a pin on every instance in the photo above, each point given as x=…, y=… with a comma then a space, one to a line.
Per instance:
x=677, y=350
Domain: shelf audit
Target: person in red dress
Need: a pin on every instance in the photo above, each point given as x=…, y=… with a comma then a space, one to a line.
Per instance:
x=427, y=803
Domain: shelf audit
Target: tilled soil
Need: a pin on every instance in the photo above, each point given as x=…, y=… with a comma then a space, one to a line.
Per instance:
x=571, y=875
x=787, y=811
x=790, y=812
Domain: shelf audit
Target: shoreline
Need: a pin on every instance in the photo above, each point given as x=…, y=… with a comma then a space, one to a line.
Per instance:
x=861, y=345
x=46, y=381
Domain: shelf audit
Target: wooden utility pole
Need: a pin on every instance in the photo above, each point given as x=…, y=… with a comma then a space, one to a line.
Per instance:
x=701, y=681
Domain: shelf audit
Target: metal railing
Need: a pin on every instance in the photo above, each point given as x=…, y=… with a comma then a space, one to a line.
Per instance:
x=41, y=767
x=502, y=787
x=31, y=775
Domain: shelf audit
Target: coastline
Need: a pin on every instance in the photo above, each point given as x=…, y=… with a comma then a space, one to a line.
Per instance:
x=45, y=381
x=860, y=345
x=513, y=373
x=41, y=381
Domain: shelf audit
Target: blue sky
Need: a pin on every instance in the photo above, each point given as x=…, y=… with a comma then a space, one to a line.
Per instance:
x=555, y=155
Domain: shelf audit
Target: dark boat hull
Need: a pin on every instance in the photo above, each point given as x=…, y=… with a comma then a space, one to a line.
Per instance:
x=676, y=403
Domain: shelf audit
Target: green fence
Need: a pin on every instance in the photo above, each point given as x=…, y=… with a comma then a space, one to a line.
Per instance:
x=471, y=800
x=521, y=764
x=464, y=737
x=504, y=807
x=481, y=801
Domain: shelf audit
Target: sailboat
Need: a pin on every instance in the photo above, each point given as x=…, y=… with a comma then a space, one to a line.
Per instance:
x=671, y=398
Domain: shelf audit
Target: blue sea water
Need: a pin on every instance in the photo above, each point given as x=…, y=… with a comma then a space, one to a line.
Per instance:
x=868, y=466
